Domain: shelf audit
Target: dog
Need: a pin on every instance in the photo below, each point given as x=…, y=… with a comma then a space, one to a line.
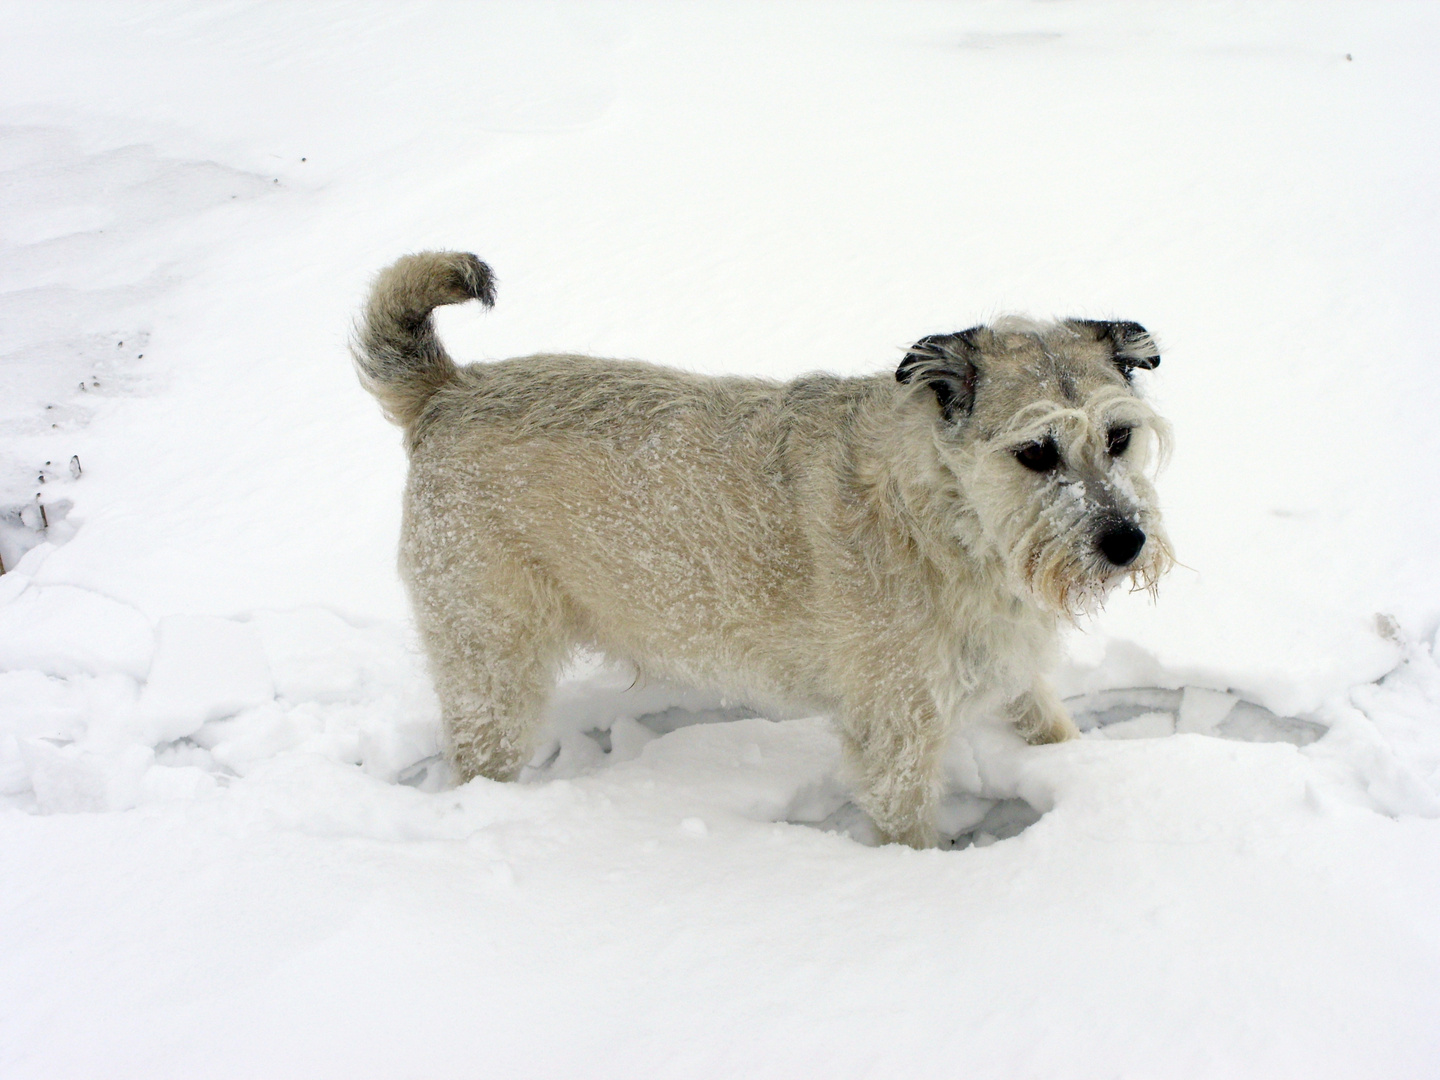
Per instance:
x=898, y=551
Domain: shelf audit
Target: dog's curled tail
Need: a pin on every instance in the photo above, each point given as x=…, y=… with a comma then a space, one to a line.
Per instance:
x=397, y=353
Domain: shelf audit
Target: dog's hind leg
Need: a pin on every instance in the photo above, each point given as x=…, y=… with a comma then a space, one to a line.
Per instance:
x=495, y=634
x=493, y=657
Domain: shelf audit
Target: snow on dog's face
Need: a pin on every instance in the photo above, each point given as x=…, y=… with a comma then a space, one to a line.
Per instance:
x=1049, y=443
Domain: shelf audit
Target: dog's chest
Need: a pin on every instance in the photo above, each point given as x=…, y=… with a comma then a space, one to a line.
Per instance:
x=993, y=648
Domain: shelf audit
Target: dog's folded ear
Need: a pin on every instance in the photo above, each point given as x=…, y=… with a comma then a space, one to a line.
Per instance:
x=1132, y=344
x=946, y=364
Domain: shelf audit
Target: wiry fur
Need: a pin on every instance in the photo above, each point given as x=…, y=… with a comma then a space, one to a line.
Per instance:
x=869, y=547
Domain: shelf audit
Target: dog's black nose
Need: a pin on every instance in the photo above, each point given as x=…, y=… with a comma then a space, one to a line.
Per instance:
x=1121, y=543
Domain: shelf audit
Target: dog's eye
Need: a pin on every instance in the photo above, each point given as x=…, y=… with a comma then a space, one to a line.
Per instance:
x=1117, y=440
x=1040, y=456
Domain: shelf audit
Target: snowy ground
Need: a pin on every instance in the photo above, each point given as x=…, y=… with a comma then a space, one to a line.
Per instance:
x=227, y=848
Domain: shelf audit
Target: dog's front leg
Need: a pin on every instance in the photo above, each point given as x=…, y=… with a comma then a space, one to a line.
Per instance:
x=1040, y=716
x=895, y=743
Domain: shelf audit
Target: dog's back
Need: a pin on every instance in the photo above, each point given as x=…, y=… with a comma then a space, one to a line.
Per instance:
x=673, y=515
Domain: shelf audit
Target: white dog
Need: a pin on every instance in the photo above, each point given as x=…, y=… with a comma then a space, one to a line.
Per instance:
x=895, y=550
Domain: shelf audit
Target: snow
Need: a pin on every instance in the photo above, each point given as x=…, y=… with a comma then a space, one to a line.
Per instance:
x=230, y=847
x=204, y=669
x=64, y=630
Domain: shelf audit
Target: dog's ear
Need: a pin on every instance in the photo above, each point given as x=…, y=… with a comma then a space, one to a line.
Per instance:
x=946, y=364
x=1131, y=343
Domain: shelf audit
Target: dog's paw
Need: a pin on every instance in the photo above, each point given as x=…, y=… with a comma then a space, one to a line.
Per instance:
x=920, y=835
x=1052, y=730
x=1041, y=719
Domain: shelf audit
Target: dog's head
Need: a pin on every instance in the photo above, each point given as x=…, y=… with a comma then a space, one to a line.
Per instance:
x=1049, y=443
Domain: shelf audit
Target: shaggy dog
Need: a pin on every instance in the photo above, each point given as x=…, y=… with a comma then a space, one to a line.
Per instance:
x=897, y=550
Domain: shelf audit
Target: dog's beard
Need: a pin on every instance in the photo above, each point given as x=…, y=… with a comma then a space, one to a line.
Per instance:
x=1154, y=563
x=1064, y=581
x=1075, y=583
